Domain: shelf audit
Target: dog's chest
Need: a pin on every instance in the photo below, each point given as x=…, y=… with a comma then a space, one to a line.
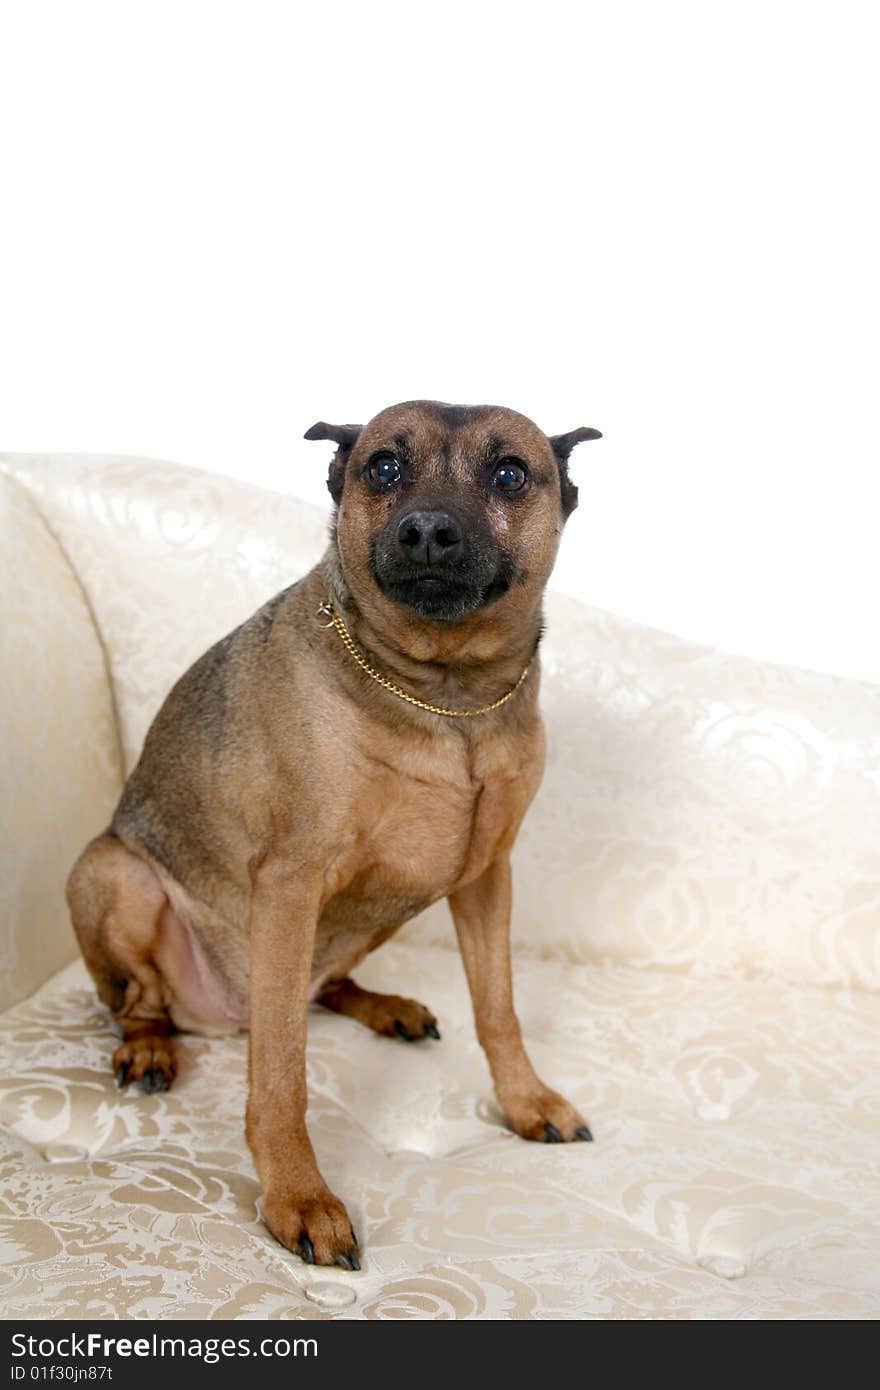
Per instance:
x=431, y=818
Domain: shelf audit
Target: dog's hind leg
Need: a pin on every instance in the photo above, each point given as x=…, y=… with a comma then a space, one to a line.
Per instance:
x=117, y=905
x=388, y=1014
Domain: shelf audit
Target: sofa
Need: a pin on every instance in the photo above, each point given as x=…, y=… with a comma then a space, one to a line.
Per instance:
x=697, y=964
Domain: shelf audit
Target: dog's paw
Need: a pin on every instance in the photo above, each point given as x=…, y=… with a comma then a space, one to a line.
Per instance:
x=388, y=1014
x=315, y=1228
x=546, y=1117
x=148, y=1059
x=396, y=1017
x=408, y=1019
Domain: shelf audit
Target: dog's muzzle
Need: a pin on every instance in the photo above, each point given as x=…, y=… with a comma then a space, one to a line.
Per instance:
x=439, y=564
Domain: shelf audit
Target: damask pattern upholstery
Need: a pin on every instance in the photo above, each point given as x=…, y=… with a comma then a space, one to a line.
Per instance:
x=697, y=936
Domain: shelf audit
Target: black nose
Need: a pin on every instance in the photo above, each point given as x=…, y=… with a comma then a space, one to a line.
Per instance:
x=429, y=538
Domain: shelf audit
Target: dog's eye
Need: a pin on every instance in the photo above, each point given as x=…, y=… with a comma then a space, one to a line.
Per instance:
x=509, y=476
x=383, y=470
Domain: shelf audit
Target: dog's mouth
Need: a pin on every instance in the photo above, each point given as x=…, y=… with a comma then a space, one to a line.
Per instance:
x=438, y=592
x=432, y=595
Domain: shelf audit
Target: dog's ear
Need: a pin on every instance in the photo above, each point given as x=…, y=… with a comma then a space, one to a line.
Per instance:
x=562, y=445
x=345, y=437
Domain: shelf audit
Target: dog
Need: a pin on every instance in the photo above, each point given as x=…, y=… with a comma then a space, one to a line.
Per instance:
x=364, y=745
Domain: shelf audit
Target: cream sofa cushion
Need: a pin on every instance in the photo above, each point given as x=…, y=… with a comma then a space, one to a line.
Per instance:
x=60, y=773
x=734, y=1173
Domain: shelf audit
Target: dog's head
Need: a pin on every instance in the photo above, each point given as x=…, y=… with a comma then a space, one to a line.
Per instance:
x=445, y=509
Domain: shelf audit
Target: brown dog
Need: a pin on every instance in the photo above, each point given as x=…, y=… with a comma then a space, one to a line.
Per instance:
x=365, y=744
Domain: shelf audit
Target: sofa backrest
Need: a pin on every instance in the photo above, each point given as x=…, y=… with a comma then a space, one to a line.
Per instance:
x=700, y=812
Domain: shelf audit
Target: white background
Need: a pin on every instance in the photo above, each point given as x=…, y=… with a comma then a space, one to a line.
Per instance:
x=221, y=222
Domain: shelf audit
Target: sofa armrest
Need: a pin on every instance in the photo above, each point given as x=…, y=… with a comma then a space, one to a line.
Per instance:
x=60, y=767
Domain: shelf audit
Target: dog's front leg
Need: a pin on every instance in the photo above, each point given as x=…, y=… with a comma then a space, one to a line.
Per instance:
x=481, y=912
x=298, y=1207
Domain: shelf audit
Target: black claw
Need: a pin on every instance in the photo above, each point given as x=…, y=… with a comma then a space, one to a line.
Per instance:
x=402, y=1030
x=552, y=1135
x=354, y=1238
x=432, y=1031
x=344, y=1261
x=583, y=1134
x=306, y=1251
x=160, y=1081
x=121, y=1074
x=353, y=1259
x=147, y=1082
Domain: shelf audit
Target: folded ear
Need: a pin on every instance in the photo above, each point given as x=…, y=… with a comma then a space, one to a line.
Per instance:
x=562, y=445
x=345, y=437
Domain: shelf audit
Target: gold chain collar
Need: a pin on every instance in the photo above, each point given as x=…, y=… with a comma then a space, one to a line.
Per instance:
x=326, y=610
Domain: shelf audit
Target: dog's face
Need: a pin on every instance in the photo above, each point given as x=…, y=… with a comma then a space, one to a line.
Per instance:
x=445, y=510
